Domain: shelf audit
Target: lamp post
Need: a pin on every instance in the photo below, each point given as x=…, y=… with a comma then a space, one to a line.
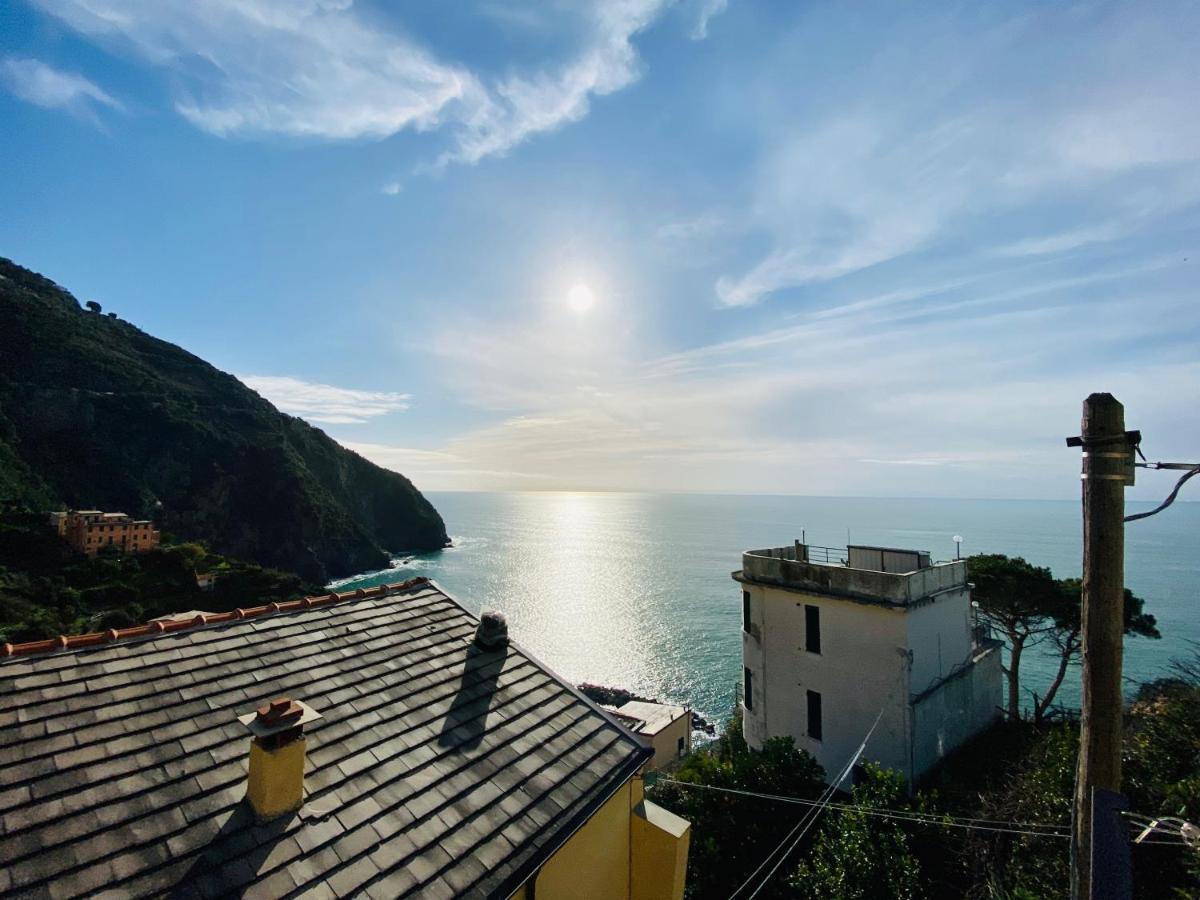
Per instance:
x=958, y=546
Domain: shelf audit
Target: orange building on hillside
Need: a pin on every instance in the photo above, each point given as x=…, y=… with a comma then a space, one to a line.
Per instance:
x=87, y=530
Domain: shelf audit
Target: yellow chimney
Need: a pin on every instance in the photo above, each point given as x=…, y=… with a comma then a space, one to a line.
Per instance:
x=277, y=751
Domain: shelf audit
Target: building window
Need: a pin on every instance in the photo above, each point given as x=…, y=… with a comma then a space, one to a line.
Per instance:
x=814, y=715
x=748, y=688
x=745, y=610
x=812, y=629
x=679, y=747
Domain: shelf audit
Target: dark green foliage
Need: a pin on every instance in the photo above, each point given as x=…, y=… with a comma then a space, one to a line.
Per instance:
x=1028, y=606
x=1066, y=633
x=858, y=856
x=47, y=589
x=1019, y=600
x=1025, y=773
x=731, y=835
x=96, y=414
x=1161, y=773
x=1017, y=773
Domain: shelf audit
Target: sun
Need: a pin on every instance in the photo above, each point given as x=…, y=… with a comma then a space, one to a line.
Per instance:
x=580, y=298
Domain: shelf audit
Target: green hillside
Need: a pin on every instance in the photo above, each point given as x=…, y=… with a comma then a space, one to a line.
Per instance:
x=96, y=413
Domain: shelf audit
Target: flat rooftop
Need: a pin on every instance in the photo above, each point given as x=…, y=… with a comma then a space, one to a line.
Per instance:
x=885, y=575
x=647, y=718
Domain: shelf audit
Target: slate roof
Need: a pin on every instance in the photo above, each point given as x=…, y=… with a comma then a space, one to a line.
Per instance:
x=438, y=769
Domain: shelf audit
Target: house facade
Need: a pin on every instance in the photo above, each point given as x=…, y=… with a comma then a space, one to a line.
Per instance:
x=90, y=530
x=835, y=638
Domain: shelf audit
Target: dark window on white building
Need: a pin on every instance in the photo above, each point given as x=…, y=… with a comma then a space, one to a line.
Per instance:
x=814, y=715
x=748, y=688
x=812, y=629
x=745, y=610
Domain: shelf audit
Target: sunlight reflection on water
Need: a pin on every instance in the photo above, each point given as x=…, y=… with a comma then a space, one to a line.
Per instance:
x=633, y=590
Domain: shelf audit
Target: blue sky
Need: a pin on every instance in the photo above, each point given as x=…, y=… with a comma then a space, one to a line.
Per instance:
x=823, y=248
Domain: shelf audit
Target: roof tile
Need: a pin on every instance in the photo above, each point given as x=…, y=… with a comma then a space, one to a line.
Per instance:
x=426, y=746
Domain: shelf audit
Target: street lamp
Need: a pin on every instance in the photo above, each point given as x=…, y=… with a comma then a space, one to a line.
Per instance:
x=958, y=546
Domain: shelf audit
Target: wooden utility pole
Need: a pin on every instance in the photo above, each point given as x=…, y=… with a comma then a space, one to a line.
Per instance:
x=1107, y=464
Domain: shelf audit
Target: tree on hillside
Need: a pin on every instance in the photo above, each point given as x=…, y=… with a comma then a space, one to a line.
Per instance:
x=857, y=854
x=1066, y=635
x=92, y=306
x=1020, y=600
x=732, y=833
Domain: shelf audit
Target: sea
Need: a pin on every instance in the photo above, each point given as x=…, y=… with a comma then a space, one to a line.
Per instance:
x=634, y=590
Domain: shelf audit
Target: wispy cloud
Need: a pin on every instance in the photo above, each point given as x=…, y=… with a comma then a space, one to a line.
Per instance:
x=706, y=10
x=308, y=69
x=906, y=165
x=439, y=470
x=700, y=227
x=897, y=394
x=36, y=82
x=323, y=69
x=324, y=403
x=503, y=116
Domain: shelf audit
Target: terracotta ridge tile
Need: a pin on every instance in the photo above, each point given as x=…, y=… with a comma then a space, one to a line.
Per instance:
x=97, y=638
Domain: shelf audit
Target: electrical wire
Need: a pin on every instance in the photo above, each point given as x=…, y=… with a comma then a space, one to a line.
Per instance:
x=996, y=825
x=808, y=818
x=1001, y=826
x=1170, y=497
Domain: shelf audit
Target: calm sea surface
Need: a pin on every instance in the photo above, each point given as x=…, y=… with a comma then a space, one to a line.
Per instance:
x=633, y=590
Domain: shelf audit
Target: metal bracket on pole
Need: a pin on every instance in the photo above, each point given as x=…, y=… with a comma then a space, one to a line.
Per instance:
x=1116, y=463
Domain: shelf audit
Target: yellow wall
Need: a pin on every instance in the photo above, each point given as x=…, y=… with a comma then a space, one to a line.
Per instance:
x=659, y=853
x=629, y=849
x=594, y=863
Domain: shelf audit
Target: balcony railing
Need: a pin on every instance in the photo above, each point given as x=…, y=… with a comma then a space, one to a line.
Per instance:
x=834, y=556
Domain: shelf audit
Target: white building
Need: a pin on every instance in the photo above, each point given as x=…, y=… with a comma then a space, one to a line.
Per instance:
x=666, y=729
x=832, y=636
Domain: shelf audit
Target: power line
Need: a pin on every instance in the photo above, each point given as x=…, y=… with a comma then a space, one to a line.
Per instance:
x=913, y=816
x=808, y=818
x=1192, y=470
x=1001, y=826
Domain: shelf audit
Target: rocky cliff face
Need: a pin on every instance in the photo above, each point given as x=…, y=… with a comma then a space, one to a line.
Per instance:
x=96, y=413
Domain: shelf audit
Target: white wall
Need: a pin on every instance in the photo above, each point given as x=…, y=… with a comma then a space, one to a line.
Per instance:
x=958, y=709
x=862, y=667
x=939, y=635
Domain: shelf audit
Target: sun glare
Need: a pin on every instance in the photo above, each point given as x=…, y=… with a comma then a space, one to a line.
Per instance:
x=580, y=298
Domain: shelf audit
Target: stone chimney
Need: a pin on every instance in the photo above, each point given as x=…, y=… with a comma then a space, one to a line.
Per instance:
x=277, y=752
x=492, y=631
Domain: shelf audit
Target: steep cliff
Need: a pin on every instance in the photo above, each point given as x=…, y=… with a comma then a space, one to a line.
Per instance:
x=96, y=413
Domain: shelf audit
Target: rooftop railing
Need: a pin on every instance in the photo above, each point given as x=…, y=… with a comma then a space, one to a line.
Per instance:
x=826, y=569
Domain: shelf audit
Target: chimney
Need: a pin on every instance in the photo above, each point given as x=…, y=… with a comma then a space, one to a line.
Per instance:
x=277, y=756
x=492, y=631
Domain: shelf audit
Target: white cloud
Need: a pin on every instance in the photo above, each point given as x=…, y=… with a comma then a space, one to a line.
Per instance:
x=325, y=403
x=696, y=228
x=970, y=394
x=435, y=470
x=901, y=164
x=1064, y=241
x=392, y=188
x=522, y=105
x=306, y=69
x=706, y=10
x=321, y=68
x=35, y=82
